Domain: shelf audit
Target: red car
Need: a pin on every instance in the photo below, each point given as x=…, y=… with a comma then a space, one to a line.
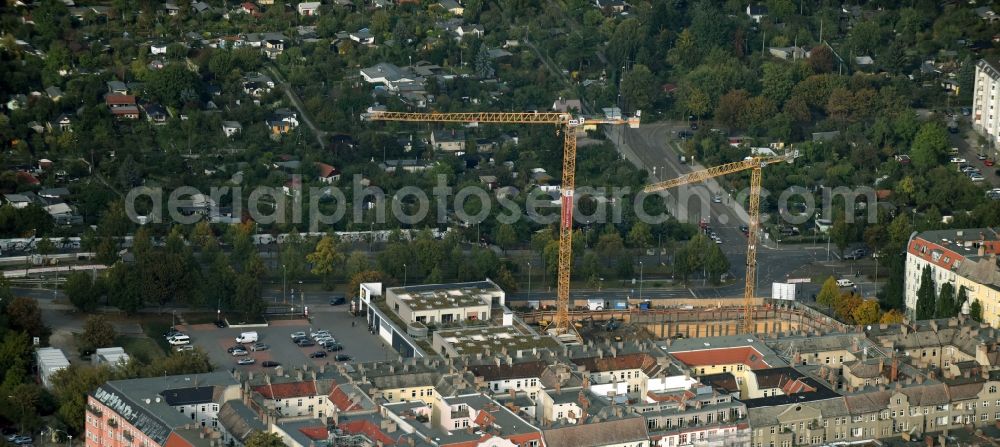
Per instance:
x=988, y=162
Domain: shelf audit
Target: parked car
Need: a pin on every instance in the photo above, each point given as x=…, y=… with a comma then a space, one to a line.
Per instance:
x=745, y=229
x=220, y=324
x=717, y=198
x=318, y=355
x=239, y=352
x=183, y=348
x=315, y=334
x=270, y=364
x=23, y=440
x=233, y=348
x=977, y=177
x=305, y=342
x=343, y=358
x=845, y=283
x=988, y=162
x=179, y=340
x=246, y=361
x=981, y=156
x=171, y=332
x=336, y=301
x=259, y=346
x=299, y=334
x=334, y=347
x=958, y=160
x=856, y=254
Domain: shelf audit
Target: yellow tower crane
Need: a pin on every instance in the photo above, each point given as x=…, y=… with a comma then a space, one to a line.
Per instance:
x=755, y=164
x=565, y=123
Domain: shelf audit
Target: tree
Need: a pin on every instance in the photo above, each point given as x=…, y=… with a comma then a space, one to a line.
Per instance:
x=98, y=332
x=25, y=316
x=71, y=386
x=976, y=311
x=840, y=233
x=829, y=293
x=866, y=313
x=638, y=86
x=640, y=236
x=45, y=247
x=685, y=53
x=82, y=291
x=325, y=259
x=264, y=439
x=361, y=277
x=925, y=295
x=169, y=84
x=356, y=262
x=716, y=263
x=505, y=280
x=506, y=236
x=844, y=306
x=821, y=59
x=484, y=63
x=962, y=300
x=696, y=102
x=893, y=316
x=778, y=81
x=966, y=79
x=946, y=302
x=731, y=108
x=930, y=146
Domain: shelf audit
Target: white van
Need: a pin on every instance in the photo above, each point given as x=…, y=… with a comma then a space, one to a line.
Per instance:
x=247, y=337
x=178, y=340
x=845, y=283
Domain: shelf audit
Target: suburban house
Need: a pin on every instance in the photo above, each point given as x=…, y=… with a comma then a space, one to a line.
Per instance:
x=789, y=53
x=17, y=200
x=756, y=12
x=257, y=84
x=122, y=106
x=117, y=88
x=567, y=105
x=470, y=30
x=448, y=140
x=392, y=77
x=451, y=6
x=231, y=128
x=362, y=36
x=155, y=113
x=610, y=6
x=63, y=122
x=308, y=8
x=54, y=93
x=326, y=173
x=282, y=121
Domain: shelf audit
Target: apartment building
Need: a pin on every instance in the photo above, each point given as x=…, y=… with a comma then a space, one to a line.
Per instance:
x=174, y=410
x=955, y=256
x=444, y=303
x=986, y=100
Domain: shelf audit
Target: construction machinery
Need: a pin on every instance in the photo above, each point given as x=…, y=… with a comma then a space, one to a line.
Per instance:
x=755, y=164
x=568, y=125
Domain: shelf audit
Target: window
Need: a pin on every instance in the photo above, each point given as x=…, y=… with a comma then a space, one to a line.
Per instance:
x=300, y=402
x=982, y=417
x=856, y=432
x=413, y=393
x=772, y=430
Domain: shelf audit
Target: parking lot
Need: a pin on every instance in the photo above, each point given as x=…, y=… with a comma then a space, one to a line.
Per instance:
x=358, y=343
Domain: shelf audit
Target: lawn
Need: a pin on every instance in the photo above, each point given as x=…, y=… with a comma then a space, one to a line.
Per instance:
x=154, y=329
x=141, y=348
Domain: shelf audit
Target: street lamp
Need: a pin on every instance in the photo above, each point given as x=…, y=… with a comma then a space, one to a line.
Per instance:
x=640, y=280
x=284, y=275
x=404, y=275
x=529, y=281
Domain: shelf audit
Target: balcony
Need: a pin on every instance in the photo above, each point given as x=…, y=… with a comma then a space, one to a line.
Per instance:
x=94, y=410
x=112, y=423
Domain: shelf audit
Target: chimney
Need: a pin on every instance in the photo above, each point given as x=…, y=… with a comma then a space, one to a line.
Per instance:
x=894, y=374
x=586, y=381
x=558, y=386
x=934, y=326
x=881, y=366
x=298, y=374
x=496, y=361
x=513, y=393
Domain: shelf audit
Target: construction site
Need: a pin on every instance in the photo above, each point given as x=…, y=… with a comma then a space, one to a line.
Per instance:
x=676, y=318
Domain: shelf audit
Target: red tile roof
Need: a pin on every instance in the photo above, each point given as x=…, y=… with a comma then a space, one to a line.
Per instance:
x=315, y=433
x=326, y=170
x=946, y=260
x=484, y=419
x=120, y=100
x=279, y=391
x=175, y=440
x=723, y=356
x=27, y=178
x=342, y=401
x=369, y=429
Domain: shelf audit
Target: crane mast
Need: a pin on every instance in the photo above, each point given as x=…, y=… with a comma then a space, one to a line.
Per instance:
x=755, y=165
x=564, y=123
